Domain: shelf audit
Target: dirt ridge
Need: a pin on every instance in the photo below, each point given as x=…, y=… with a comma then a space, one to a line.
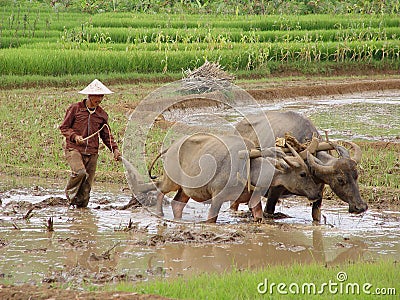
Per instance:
x=313, y=90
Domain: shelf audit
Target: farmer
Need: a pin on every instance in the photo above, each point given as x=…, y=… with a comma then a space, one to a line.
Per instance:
x=83, y=124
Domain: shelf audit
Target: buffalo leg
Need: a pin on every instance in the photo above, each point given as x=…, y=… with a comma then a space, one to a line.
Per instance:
x=256, y=207
x=159, y=207
x=214, y=210
x=178, y=204
x=316, y=211
x=273, y=197
x=243, y=198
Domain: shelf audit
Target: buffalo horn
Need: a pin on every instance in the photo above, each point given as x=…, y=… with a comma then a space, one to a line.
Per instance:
x=255, y=153
x=252, y=153
x=319, y=169
x=295, y=154
x=325, y=146
x=357, y=151
x=342, y=151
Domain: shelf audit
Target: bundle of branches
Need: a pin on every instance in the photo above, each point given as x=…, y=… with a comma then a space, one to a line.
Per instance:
x=292, y=141
x=207, y=78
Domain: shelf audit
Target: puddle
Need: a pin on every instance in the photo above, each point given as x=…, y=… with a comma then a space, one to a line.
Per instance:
x=368, y=116
x=95, y=244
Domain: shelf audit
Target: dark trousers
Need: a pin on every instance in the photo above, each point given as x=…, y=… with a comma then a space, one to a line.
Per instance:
x=83, y=169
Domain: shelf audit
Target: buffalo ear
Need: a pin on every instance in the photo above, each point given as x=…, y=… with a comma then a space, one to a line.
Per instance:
x=281, y=165
x=319, y=169
x=292, y=161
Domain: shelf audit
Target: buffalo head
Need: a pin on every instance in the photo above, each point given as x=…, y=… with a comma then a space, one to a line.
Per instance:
x=341, y=175
x=295, y=176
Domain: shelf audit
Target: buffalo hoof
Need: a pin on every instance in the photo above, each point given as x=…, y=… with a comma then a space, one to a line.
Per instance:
x=358, y=210
x=276, y=216
x=316, y=222
x=211, y=220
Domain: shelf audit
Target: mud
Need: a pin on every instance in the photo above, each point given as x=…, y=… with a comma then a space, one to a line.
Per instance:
x=26, y=291
x=297, y=89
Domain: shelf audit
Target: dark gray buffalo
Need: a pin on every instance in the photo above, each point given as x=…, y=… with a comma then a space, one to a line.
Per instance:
x=339, y=173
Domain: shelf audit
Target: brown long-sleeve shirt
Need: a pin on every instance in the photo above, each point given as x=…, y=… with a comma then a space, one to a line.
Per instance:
x=78, y=121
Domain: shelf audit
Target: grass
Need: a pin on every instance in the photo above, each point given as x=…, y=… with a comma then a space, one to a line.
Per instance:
x=311, y=280
x=380, y=167
x=151, y=58
x=271, y=72
x=375, y=121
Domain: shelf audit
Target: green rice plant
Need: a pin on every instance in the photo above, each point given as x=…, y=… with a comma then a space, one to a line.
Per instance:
x=246, y=23
x=226, y=7
x=121, y=27
x=256, y=284
x=190, y=35
x=173, y=42
x=87, y=33
x=152, y=59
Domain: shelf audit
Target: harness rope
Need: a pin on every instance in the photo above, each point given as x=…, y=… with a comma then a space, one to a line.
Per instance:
x=98, y=132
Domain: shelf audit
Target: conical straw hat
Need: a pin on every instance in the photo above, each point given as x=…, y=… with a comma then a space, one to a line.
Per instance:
x=96, y=88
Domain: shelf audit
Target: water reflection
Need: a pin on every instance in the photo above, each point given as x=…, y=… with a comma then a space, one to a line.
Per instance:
x=278, y=248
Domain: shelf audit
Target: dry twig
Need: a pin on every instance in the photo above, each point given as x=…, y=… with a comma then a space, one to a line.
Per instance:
x=207, y=78
x=50, y=224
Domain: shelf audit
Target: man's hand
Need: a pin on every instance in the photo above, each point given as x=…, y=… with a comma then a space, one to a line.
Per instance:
x=79, y=140
x=117, y=155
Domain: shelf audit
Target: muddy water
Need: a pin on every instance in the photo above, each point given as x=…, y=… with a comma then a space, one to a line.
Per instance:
x=76, y=251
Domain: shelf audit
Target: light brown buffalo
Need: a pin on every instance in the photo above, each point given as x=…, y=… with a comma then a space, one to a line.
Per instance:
x=213, y=168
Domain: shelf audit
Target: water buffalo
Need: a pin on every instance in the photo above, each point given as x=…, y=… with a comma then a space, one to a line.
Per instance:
x=339, y=173
x=220, y=168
